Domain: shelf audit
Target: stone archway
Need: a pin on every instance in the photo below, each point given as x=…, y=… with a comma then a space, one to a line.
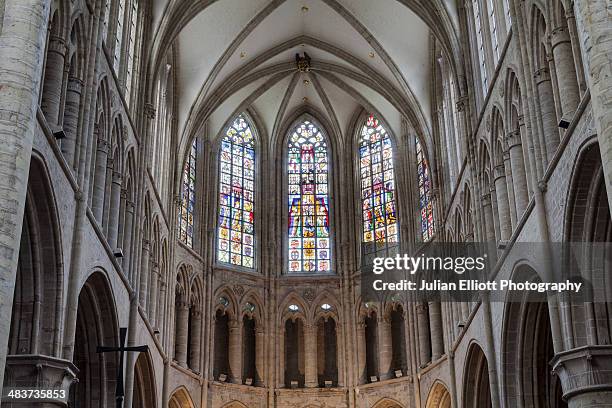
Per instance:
x=439, y=397
x=477, y=391
x=181, y=399
x=96, y=325
x=234, y=404
x=387, y=403
x=144, y=383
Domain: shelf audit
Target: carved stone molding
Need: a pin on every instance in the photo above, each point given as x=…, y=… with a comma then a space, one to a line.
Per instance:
x=584, y=370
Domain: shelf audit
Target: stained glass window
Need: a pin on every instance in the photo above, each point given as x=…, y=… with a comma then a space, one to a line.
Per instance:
x=188, y=197
x=378, y=203
x=425, y=201
x=308, y=166
x=493, y=28
x=119, y=35
x=480, y=45
x=236, y=195
x=131, y=51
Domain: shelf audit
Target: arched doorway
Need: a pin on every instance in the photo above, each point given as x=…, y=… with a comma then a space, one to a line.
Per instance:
x=438, y=397
x=476, y=391
x=144, y=383
x=181, y=399
x=96, y=325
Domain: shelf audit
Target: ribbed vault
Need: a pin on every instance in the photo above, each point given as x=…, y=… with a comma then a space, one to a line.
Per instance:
x=232, y=55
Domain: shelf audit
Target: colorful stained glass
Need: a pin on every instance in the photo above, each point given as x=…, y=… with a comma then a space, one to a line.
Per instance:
x=308, y=166
x=236, y=231
x=425, y=201
x=378, y=203
x=188, y=197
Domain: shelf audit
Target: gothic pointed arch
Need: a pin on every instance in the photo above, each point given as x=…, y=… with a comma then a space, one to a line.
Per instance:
x=181, y=398
x=438, y=397
x=387, y=403
x=378, y=190
x=237, y=186
x=96, y=325
x=527, y=348
x=309, y=242
x=145, y=395
x=476, y=388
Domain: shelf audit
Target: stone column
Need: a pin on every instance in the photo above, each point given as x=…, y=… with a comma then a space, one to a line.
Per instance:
x=435, y=329
x=108, y=184
x=424, y=337
x=593, y=18
x=127, y=237
x=519, y=178
x=144, y=272
x=260, y=346
x=113, y=216
x=71, y=119
x=182, y=332
x=510, y=189
x=488, y=217
x=569, y=94
x=194, y=341
x=385, y=347
x=503, y=209
x=54, y=76
x=361, y=351
x=235, y=349
x=310, y=355
x=152, y=304
x=161, y=304
x=549, y=115
x=281, y=357
x=99, y=184
x=585, y=376
x=22, y=41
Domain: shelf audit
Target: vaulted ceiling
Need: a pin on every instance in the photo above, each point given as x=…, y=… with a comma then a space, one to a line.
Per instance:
x=234, y=55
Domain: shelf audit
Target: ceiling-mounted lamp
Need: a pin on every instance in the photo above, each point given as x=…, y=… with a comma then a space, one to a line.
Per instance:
x=305, y=9
x=371, y=54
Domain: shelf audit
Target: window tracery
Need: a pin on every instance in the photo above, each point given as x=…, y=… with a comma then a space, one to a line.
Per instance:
x=309, y=232
x=236, y=230
x=187, y=205
x=425, y=196
x=378, y=201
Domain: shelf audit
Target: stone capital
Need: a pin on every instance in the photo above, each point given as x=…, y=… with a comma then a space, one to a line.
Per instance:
x=117, y=177
x=513, y=138
x=506, y=155
x=57, y=45
x=584, y=369
x=102, y=145
x=499, y=171
x=542, y=75
x=558, y=36
x=40, y=372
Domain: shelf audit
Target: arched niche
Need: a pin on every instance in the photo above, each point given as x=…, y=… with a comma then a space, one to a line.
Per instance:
x=96, y=326
x=144, y=383
x=438, y=397
x=476, y=391
x=181, y=398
